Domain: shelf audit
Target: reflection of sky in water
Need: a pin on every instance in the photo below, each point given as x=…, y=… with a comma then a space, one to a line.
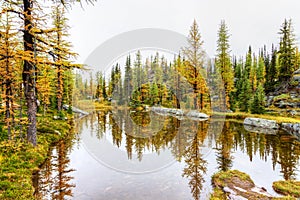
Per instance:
x=94, y=179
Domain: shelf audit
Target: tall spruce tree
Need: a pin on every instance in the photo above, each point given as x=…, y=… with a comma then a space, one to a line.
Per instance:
x=258, y=103
x=128, y=80
x=246, y=91
x=286, y=51
x=223, y=61
x=272, y=72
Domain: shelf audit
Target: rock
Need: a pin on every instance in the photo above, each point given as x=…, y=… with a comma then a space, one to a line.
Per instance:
x=57, y=132
x=296, y=78
x=76, y=110
x=284, y=104
x=292, y=128
x=236, y=197
x=297, y=71
x=196, y=114
x=262, y=123
x=294, y=95
x=292, y=112
x=240, y=189
x=261, y=190
x=239, y=186
x=228, y=190
x=255, y=129
x=269, y=100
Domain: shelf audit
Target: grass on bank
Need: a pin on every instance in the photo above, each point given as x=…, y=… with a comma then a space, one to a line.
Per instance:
x=243, y=115
x=19, y=159
x=102, y=106
x=291, y=188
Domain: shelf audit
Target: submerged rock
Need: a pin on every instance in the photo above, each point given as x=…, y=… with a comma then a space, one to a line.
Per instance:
x=262, y=123
x=255, y=129
x=239, y=186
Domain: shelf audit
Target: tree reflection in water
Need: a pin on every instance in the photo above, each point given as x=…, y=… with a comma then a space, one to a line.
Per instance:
x=224, y=144
x=144, y=132
x=282, y=148
x=196, y=166
x=53, y=181
x=185, y=140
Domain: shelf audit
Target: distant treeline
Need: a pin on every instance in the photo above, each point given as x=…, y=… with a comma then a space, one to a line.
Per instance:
x=192, y=80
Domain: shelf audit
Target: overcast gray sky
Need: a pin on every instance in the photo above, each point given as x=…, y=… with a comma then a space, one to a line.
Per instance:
x=251, y=22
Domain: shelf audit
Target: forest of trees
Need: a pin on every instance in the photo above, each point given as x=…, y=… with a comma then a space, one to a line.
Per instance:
x=191, y=79
x=37, y=71
x=36, y=64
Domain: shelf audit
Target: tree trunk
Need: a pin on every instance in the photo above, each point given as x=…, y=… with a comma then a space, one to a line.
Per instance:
x=59, y=89
x=28, y=74
x=195, y=96
x=7, y=111
x=20, y=113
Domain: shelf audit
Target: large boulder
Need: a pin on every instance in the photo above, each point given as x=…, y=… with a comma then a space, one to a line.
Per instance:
x=262, y=123
x=292, y=128
x=196, y=114
x=166, y=111
x=237, y=185
x=297, y=72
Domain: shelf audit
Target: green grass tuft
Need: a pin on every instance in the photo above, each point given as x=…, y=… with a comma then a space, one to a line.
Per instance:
x=291, y=188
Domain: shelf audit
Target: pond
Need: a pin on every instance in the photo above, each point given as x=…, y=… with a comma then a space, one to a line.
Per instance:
x=128, y=155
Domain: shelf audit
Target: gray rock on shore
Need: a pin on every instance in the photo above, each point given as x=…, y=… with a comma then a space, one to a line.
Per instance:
x=193, y=114
x=262, y=123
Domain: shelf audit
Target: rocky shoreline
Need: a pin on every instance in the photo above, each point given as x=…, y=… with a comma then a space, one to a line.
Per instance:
x=193, y=114
x=271, y=126
x=237, y=185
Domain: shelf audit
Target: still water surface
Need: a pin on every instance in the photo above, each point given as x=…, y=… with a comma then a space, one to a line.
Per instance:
x=125, y=155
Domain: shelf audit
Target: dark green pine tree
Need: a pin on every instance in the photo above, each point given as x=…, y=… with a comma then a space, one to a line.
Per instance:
x=258, y=104
x=128, y=80
x=104, y=94
x=271, y=72
x=261, y=70
x=223, y=62
x=237, y=67
x=286, y=51
x=111, y=82
x=246, y=91
x=137, y=80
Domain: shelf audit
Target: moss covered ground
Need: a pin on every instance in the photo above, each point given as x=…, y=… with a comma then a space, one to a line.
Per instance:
x=19, y=159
